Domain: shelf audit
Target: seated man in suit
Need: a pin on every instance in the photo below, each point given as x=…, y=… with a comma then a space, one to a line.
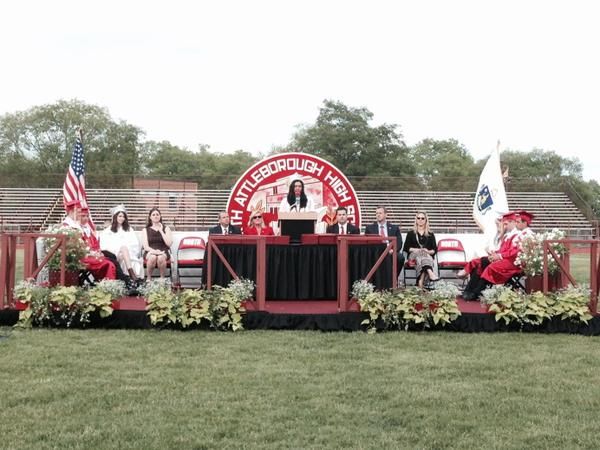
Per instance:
x=384, y=228
x=224, y=227
x=342, y=226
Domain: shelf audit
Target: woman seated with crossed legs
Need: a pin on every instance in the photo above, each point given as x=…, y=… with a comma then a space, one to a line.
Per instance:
x=157, y=240
x=420, y=245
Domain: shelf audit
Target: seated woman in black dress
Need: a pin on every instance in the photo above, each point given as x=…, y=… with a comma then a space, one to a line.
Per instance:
x=157, y=240
x=421, y=247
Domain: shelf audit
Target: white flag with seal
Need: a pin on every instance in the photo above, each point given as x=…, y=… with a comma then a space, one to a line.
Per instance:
x=490, y=197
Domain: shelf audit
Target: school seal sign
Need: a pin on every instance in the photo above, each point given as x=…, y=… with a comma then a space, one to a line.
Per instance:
x=264, y=185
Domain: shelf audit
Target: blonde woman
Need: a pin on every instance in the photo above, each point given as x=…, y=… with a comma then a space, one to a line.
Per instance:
x=256, y=225
x=421, y=246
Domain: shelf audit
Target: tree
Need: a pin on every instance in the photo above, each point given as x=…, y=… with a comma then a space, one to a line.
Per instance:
x=444, y=165
x=539, y=169
x=343, y=136
x=209, y=170
x=44, y=136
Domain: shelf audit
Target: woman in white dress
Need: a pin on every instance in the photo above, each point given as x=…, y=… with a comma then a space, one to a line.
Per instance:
x=296, y=199
x=121, y=240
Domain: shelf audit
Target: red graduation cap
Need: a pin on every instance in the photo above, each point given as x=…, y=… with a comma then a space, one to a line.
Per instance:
x=525, y=216
x=72, y=204
x=508, y=216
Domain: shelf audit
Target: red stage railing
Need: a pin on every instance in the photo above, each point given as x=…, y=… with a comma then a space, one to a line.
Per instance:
x=342, y=241
x=261, y=266
x=31, y=269
x=9, y=241
x=565, y=268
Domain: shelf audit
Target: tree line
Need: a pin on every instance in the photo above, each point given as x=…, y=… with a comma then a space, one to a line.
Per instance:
x=36, y=147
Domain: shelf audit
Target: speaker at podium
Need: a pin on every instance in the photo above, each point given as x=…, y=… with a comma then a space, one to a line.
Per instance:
x=295, y=224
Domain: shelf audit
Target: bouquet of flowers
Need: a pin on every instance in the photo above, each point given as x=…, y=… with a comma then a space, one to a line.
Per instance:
x=76, y=248
x=531, y=257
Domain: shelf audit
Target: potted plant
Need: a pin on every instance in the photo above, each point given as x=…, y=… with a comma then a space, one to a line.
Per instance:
x=531, y=259
x=76, y=250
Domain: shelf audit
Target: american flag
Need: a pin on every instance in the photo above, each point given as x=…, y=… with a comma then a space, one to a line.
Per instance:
x=74, y=187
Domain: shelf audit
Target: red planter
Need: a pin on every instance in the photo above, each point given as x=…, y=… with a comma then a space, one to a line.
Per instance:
x=71, y=278
x=533, y=284
x=20, y=306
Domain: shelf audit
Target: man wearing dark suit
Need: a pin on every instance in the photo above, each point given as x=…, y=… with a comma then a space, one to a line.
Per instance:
x=384, y=228
x=342, y=226
x=224, y=227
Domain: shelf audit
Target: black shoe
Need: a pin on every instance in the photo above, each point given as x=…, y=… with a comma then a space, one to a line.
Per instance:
x=469, y=296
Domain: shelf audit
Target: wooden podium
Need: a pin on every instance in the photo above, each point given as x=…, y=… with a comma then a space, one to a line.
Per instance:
x=295, y=224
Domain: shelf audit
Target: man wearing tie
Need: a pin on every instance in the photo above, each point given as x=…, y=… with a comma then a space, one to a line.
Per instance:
x=224, y=227
x=342, y=226
x=386, y=229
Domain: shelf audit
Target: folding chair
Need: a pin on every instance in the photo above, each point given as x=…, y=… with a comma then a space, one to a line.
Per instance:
x=451, y=256
x=517, y=282
x=190, y=260
x=86, y=278
x=410, y=271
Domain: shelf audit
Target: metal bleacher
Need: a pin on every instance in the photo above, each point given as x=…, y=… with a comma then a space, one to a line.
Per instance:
x=450, y=212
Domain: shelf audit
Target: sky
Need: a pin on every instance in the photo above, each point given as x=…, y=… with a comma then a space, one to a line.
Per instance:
x=246, y=74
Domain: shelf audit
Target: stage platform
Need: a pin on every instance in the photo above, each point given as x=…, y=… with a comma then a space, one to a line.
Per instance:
x=323, y=315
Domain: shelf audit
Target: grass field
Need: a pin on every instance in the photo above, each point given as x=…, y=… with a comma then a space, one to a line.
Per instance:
x=260, y=389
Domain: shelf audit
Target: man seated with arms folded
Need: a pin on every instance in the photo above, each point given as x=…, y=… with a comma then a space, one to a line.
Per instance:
x=342, y=226
x=224, y=227
x=382, y=227
x=502, y=264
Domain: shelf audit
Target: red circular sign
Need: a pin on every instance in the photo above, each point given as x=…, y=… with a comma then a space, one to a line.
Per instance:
x=266, y=184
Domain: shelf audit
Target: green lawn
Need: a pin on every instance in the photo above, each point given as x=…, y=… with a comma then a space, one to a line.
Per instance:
x=282, y=389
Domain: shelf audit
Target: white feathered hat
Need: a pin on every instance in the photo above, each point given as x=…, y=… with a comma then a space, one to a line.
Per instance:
x=117, y=209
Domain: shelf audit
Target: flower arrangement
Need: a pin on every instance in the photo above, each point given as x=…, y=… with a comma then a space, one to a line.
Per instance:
x=531, y=254
x=65, y=306
x=570, y=304
x=361, y=289
x=406, y=308
x=444, y=290
x=221, y=307
x=76, y=248
x=156, y=286
x=242, y=289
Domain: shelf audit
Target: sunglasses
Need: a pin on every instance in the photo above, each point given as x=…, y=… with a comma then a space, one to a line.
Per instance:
x=421, y=218
x=257, y=217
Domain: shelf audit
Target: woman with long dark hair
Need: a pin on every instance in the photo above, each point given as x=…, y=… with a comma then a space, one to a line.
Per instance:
x=296, y=199
x=121, y=241
x=157, y=240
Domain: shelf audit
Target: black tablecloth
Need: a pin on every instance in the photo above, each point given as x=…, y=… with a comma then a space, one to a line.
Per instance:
x=301, y=271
